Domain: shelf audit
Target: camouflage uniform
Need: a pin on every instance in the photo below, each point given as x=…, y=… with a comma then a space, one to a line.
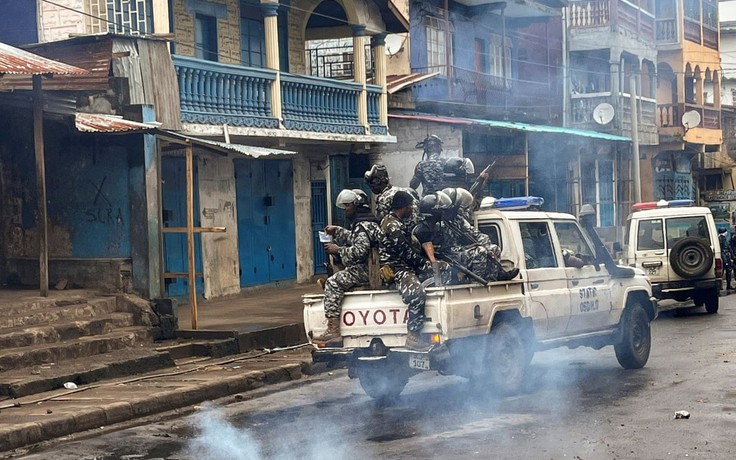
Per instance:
x=475, y=248
x=383, y=205
x=430, y=174
x=356, y=245
x=409, y=267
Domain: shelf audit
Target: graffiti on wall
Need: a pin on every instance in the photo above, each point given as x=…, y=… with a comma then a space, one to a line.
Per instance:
x=102, y=210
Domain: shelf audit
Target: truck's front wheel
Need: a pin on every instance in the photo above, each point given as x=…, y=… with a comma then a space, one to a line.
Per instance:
x=507, y=358
x=381, y=380
x=633, y=350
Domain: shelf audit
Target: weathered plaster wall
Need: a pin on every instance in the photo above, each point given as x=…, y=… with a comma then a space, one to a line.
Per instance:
x=217, y=209
x=401, y=158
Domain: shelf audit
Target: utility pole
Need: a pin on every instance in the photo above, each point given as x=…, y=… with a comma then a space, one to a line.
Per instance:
x=635, y=140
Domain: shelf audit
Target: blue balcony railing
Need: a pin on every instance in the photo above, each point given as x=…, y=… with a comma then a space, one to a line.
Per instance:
x=374, y=118
x=319, y=104
x=216, y=93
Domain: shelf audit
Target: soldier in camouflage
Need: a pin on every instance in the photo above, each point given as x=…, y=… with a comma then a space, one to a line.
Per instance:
x=429, y=172
x=354, y=247
x=403, y=265
x=379, y=182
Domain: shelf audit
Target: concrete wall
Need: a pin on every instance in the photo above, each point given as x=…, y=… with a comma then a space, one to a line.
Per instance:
x=57, y=23
x=217, y=208
x=401, y=158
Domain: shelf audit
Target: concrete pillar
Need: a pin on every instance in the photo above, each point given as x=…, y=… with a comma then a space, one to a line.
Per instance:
x=616, y=90
x=699, y=89
x=359, y=73
x=379, y=56
x=270, y=12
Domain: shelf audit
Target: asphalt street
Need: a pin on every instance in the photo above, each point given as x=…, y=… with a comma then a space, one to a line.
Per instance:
x=577, y=404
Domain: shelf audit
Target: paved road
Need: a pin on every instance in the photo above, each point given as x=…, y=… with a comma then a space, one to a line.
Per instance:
x=579, y=405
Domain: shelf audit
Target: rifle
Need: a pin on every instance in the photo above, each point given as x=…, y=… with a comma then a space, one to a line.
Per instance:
x=480, y=181
x=456, y=263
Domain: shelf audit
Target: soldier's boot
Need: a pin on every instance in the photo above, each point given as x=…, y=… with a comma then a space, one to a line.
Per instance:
x=331, y=337
x=416, y=342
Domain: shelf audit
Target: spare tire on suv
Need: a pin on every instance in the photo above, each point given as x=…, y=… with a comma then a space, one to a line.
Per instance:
x=691, y=257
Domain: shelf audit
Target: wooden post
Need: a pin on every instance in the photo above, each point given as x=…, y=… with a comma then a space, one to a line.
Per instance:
x=43, y=230
x=190, y=234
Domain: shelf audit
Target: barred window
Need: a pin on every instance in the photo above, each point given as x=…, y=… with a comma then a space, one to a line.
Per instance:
x=129, y=17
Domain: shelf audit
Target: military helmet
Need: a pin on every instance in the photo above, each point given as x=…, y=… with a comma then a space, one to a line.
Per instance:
x=460, y=197
x=377, y=172
x=434, y=204
x=458, y=167
x=355, y=197
x=430, y=140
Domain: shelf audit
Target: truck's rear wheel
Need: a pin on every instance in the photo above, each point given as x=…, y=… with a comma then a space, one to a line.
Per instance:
x=633, y=350
x=507, y=358
x=381, y=380
x=711, y=301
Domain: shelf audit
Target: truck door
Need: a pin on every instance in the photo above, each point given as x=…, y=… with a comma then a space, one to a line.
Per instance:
x=649, y=250
x=546, y=280
x=590, y=285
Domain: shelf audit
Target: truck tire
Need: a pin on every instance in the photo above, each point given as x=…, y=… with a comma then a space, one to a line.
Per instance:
x=691, y=257
x=711, y=301
x=632, y=352
x=380, y=380
x=508, y=358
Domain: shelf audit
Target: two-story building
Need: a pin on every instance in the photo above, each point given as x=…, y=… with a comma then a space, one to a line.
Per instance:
x=245, y=81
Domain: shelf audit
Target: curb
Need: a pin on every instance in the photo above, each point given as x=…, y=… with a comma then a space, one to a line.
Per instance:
x=20, y=435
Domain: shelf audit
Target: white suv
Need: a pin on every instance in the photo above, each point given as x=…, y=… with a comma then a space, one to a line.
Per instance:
x=676, y=244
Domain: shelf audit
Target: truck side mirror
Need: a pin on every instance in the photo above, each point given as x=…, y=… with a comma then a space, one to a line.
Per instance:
x=617, y=247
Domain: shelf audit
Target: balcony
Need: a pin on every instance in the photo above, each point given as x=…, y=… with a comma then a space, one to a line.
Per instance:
x=667, y=31
x=479, y=93
x=214, y=93
x=583, y=106
x=616, y=14
x=670, y=116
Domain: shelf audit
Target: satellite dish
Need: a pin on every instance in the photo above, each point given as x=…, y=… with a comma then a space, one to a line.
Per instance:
x=691, y=119
x=394, y=44
x=603, y=113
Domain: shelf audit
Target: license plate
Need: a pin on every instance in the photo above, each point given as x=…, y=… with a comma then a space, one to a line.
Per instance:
x=420, y=362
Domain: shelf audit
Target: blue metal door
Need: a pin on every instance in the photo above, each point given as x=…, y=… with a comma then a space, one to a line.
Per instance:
x=319, y=221
x=173, y=191
x=265, y=204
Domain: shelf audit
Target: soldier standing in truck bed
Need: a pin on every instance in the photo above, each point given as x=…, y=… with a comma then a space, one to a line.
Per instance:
x=379, y=182
x=429, y=172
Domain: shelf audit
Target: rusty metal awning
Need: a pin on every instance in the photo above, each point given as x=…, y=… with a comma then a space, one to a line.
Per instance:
x=17, y=61
x=395, y=83
x=224, y=147
x=101, y=123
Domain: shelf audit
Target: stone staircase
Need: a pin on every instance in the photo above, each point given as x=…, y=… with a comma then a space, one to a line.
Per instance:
x=46, y=342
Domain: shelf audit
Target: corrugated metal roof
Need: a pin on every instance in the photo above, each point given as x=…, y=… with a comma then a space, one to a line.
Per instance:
x=515, y=126
x=247, y=150
x=395, y=83
x=17, y=61
x=99, y=123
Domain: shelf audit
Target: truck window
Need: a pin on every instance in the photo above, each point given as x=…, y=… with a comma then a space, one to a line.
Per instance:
x=681, y=227
x=649, y=235
x=493, y=232
x=537, y=242
x=571, y=238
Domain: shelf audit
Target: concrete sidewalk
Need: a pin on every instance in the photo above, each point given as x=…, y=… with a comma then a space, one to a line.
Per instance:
x=257, y=319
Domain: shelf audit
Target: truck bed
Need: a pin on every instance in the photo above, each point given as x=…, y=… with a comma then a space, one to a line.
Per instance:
x=452, y=311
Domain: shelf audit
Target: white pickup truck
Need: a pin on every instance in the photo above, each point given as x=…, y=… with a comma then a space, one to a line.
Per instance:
x=489, y=333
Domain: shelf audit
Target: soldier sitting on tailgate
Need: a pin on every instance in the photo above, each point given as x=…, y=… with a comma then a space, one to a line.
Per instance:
x=404, y=265
x=354, y=247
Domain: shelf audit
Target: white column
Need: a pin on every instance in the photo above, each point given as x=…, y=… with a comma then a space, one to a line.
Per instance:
x=379, y=59
x=359, y=73
x=270, y=16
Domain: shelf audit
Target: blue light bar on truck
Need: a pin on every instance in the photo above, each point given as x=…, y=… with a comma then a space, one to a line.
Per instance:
x=511, y=204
